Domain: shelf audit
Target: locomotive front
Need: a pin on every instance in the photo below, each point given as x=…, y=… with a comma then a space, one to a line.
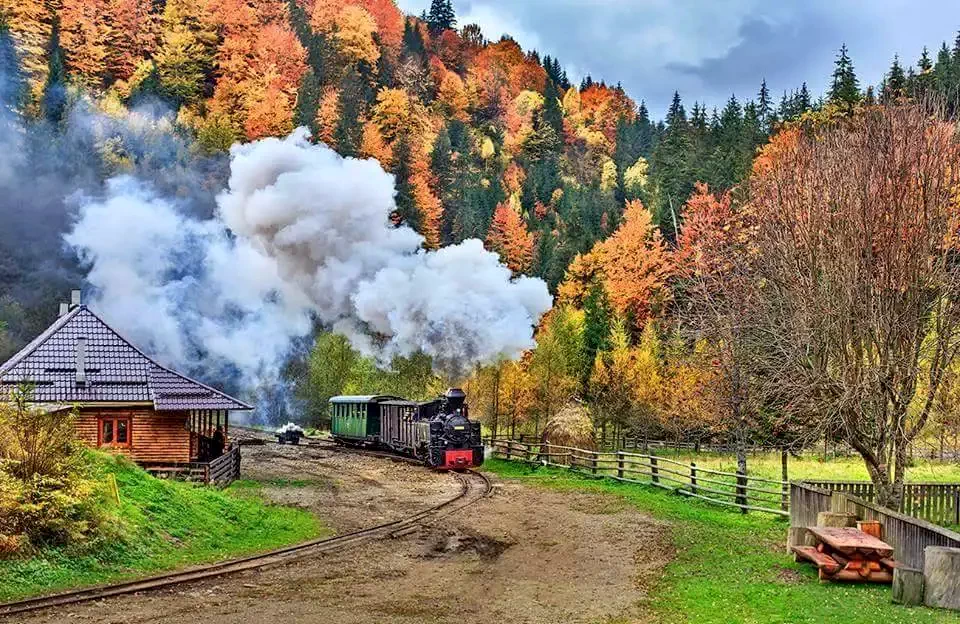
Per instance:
x=454, y=438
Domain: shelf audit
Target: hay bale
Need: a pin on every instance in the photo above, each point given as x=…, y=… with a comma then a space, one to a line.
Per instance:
x=571, y=426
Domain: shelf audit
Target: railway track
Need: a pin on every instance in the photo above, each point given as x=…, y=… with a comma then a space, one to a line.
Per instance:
x=474, y=487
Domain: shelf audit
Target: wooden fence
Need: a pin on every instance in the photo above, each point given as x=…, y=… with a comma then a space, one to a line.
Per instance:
x=627, y=443
x=936, y=502
x=225, y=469
x=909, y=536
x=730, y=489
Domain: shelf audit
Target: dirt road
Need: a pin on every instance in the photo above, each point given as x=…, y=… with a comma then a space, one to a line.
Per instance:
x=525, y=555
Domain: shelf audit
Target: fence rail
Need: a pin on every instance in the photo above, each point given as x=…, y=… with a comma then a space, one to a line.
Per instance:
x=225, y=469
x=729, y=489
x=934, y=502
x=627, y=443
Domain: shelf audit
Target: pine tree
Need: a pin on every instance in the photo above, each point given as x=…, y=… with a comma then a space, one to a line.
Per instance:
x=803, y=100
x=943, y=73
x=308, y=102
x=895, y=82
x=845, y=89
x=923, y=83
x=55, y=89
x=765, y=107
x=646, y=131
x=441, y=16
x=596, y=327
x=348, y=132
x=672, y=170
x=407, y=212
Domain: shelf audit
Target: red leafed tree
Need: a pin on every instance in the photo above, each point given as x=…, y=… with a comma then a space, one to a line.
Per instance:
x=708, y=229
x=137, y=35
x=508, y=236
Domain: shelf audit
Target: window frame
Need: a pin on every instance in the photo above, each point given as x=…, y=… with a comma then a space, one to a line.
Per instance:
x=102, y=419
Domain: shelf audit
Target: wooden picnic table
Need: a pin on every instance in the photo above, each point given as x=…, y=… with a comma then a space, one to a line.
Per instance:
x=849, y=554
x=848, y=540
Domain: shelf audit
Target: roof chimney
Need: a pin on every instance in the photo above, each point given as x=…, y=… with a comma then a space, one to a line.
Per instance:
x=64, y=308
x=81, y=360
x=74, y=298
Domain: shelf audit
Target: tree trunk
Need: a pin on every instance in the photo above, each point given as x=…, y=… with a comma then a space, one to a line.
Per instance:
x=941, y=576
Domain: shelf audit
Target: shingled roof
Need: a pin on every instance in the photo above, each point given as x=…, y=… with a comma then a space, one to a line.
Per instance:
x=115, y=371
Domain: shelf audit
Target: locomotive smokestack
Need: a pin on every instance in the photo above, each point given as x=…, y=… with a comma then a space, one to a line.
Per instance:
x=455, y=398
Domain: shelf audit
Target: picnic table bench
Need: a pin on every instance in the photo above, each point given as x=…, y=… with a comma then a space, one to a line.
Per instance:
x=848, y=554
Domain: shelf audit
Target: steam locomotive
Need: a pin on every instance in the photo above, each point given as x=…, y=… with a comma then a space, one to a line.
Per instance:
x=438, y=432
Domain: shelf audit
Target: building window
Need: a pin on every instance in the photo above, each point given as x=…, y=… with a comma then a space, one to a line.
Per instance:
x=114, y=431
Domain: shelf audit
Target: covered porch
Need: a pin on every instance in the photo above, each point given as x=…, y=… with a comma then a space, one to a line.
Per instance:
x=209, y=434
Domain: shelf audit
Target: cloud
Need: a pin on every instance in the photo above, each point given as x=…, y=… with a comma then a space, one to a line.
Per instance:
x=708, y=50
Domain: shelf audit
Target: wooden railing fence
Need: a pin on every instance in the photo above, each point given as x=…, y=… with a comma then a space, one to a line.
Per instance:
x=741, y=491
x=909, y=536
x=627, y=443
x=935, y=502
x=225, y=469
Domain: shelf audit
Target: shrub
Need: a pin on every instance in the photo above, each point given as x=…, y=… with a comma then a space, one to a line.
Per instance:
x=46, y=492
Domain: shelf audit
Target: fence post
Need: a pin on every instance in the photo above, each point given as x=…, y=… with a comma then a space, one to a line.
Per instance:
x=742, y=491
x=509, y=448
x=693, y=477
x=956, y=507
x=593, y=462
x=620, y=465
x=526, y=454
x=654, y=473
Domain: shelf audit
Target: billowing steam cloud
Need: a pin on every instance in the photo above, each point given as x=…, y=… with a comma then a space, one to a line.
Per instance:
x=300, y=234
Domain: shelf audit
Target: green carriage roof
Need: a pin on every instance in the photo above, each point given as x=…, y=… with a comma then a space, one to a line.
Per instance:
x=364, y=398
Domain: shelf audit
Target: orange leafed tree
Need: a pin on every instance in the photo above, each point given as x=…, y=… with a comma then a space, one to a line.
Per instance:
x=508, y=236
x=372, y=145
x=386, y=16
x=87, y=37
x=431, y=210
x=634, y=266
x=355, y=28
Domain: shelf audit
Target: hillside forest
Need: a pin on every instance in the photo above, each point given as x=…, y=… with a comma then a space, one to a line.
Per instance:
x=680, y=251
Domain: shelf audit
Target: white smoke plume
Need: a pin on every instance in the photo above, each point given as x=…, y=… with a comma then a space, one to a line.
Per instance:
x=300, y=234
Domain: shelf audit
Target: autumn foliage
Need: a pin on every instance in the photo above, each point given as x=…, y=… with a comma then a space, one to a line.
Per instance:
x=509, y=237
x=634, y=266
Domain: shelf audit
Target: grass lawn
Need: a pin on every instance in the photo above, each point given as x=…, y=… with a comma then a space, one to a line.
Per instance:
x=730, y=567
x=160, y=525
x=767, y=465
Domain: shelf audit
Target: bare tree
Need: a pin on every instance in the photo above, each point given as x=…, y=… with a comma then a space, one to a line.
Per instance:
x=855, y=277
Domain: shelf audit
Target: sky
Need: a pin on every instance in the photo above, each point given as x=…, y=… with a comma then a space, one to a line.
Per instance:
x=708, y=50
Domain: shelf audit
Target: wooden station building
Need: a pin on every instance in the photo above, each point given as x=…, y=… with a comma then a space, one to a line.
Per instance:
x=126, y=402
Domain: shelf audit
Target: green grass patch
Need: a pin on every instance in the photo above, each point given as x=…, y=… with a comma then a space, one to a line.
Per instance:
x=731, y=567
x=810, y=466
x=159, y=525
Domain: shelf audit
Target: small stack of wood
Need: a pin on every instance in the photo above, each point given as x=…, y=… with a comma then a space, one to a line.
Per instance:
x=848, y=554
